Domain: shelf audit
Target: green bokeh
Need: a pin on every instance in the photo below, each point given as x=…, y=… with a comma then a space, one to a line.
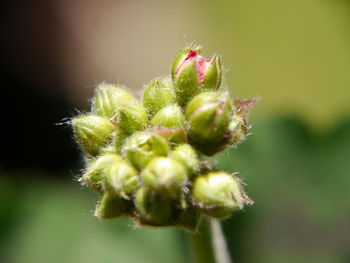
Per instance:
x=295, y=54
x=298, y=178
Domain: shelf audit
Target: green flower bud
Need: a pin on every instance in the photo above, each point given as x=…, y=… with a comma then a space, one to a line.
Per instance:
x=142, y=147
x=238, y=129
x=121, y=178
x=132, y=117
x=118, y=139
x=211, y=73
x=156, y=209
x=157, y=95
x=168, y=82
x=94, y=174
x=180, y=57
x=187, y=156
x=116, y=103
x=93, y=133
x=108, y=98
x=173, y=135
x=217, y=194
x=164, y=173
x=113, y=206
x=208, y=115
x=192, y=73
x=171, y=118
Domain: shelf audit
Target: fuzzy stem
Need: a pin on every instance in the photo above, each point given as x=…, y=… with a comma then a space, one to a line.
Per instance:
x=209, y=245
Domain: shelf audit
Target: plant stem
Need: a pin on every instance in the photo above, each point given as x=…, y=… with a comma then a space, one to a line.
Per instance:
x=222, y=254
x=209, y=245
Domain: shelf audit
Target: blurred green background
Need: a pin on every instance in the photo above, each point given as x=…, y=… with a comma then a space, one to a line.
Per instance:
x=295, y=55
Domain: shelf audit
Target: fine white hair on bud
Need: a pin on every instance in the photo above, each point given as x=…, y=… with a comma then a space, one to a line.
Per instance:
x=142, y=147
x=217, y=194
x=93, y=133
x=208, y=115
x=158, y=94
x=193, y=73
x=166, y=174
x=146, y=158
x=187, y=155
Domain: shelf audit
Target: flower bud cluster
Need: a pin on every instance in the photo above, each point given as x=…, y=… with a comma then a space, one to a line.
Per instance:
x=146, y=157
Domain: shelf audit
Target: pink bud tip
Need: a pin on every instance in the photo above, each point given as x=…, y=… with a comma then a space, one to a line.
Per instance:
x=191, y=53
x=201, y=66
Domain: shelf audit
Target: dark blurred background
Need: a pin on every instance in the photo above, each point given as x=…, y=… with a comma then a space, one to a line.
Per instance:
x=293, y=54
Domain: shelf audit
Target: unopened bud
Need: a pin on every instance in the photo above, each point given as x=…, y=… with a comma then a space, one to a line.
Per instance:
x=173, y=120
x=142, y=147
x=238, y=130
x=94, y=174
x=116, y=103
x=132, y=117
x=217, y=194
x=173, y=135
x=180, y=57
x=108, y=98
x=118, y=139
x=187, y=156
x=191, y=73
x=208, y=116
x=121, y=178
x=157, y=95
x=166, y=174
x=168, y=82
x=93, y=133
x=156, y=209
x=112, y=206
x=169, y=117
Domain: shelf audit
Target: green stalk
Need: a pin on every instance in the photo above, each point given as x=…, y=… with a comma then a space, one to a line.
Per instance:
x=208, y=245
